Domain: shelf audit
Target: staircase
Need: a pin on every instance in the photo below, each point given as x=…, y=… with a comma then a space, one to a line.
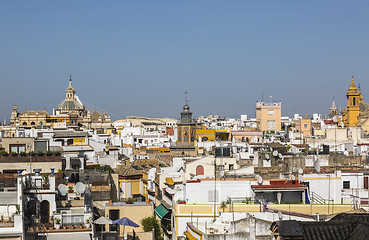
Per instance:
x=317, y=199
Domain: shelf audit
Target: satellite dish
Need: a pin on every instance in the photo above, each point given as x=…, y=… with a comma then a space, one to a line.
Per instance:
x=259, y=179
x=62, y=189
x=80, y=187
x=169, y=181
x=275, y=153
x=280, y=215
x=301, y=178
x=267, y=157
x=300, y=171
x=317, y=166
x=280, y=155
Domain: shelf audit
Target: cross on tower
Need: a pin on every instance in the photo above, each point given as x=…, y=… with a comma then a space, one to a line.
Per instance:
x=186, y=99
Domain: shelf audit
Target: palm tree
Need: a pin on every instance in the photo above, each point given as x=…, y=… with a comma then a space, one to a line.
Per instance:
x=223, y=205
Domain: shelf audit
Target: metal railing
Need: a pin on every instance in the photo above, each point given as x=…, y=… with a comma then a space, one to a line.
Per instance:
x=72, y=219
x=317, y=199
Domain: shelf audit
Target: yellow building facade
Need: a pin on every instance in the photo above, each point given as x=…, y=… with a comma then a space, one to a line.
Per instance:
x=354, y=99
x=210, y=134
x=268, y=116
x=133, y=186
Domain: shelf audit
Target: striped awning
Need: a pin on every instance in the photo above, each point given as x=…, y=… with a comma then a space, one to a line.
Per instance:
x=161, y=211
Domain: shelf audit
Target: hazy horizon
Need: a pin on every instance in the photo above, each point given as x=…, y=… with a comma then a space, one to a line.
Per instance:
x=137, y=58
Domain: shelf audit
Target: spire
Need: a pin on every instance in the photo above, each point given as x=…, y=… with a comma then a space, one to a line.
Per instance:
x=70, y=82
x=334, y=106
x=352, y=86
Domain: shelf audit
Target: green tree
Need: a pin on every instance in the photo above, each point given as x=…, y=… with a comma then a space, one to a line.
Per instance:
x=223, y=205
x=149, y=223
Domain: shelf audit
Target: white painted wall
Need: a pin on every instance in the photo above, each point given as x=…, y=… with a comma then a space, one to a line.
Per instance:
x=199, y=192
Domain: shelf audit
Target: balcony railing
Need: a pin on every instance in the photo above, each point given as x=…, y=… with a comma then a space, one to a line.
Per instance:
x=72, y=219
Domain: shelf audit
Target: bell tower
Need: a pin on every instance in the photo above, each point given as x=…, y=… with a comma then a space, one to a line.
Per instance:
x=333, y=110
x=354, y=99
x=186, y=128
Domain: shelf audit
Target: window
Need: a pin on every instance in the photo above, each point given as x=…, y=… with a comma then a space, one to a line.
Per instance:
x=114, y=215
x=271, y=125
x=346, y=184
x=231, y=166
x=211, y=195
x=305, y=126
x=17, y=148
x=271, y=112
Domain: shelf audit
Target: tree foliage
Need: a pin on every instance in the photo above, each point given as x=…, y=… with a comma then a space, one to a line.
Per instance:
x=150, y=223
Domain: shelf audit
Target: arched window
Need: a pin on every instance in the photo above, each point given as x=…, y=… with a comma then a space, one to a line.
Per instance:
x=24, y=124
x=353, y=101
x=199, y=170
x=33, y=123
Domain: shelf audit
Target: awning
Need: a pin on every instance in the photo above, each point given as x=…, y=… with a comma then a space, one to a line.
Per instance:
x=161, y=211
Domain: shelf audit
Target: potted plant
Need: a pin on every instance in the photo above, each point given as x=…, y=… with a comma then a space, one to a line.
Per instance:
x=70, y=188
x=57, y=153
x=57, y=223
x=23, y=154
x=5, y=154
x=48, y=153
x=14, y=154
x=32, y=153
x=88, y=222
x=130, y=200
x=40, y=153
x=45, y=180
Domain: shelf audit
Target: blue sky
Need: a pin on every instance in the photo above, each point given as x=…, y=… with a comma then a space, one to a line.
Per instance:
x=138, y=57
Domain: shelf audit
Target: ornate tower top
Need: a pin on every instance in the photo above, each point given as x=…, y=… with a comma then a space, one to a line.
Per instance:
x=70, y=92
x=186, y=114
x=352, y=86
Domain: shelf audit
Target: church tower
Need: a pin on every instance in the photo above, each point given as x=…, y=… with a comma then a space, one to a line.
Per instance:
x=333, y=110
x=186, y=128
x=354, y=99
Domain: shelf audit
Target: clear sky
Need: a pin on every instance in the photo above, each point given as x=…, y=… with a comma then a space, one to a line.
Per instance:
x=138, y=57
